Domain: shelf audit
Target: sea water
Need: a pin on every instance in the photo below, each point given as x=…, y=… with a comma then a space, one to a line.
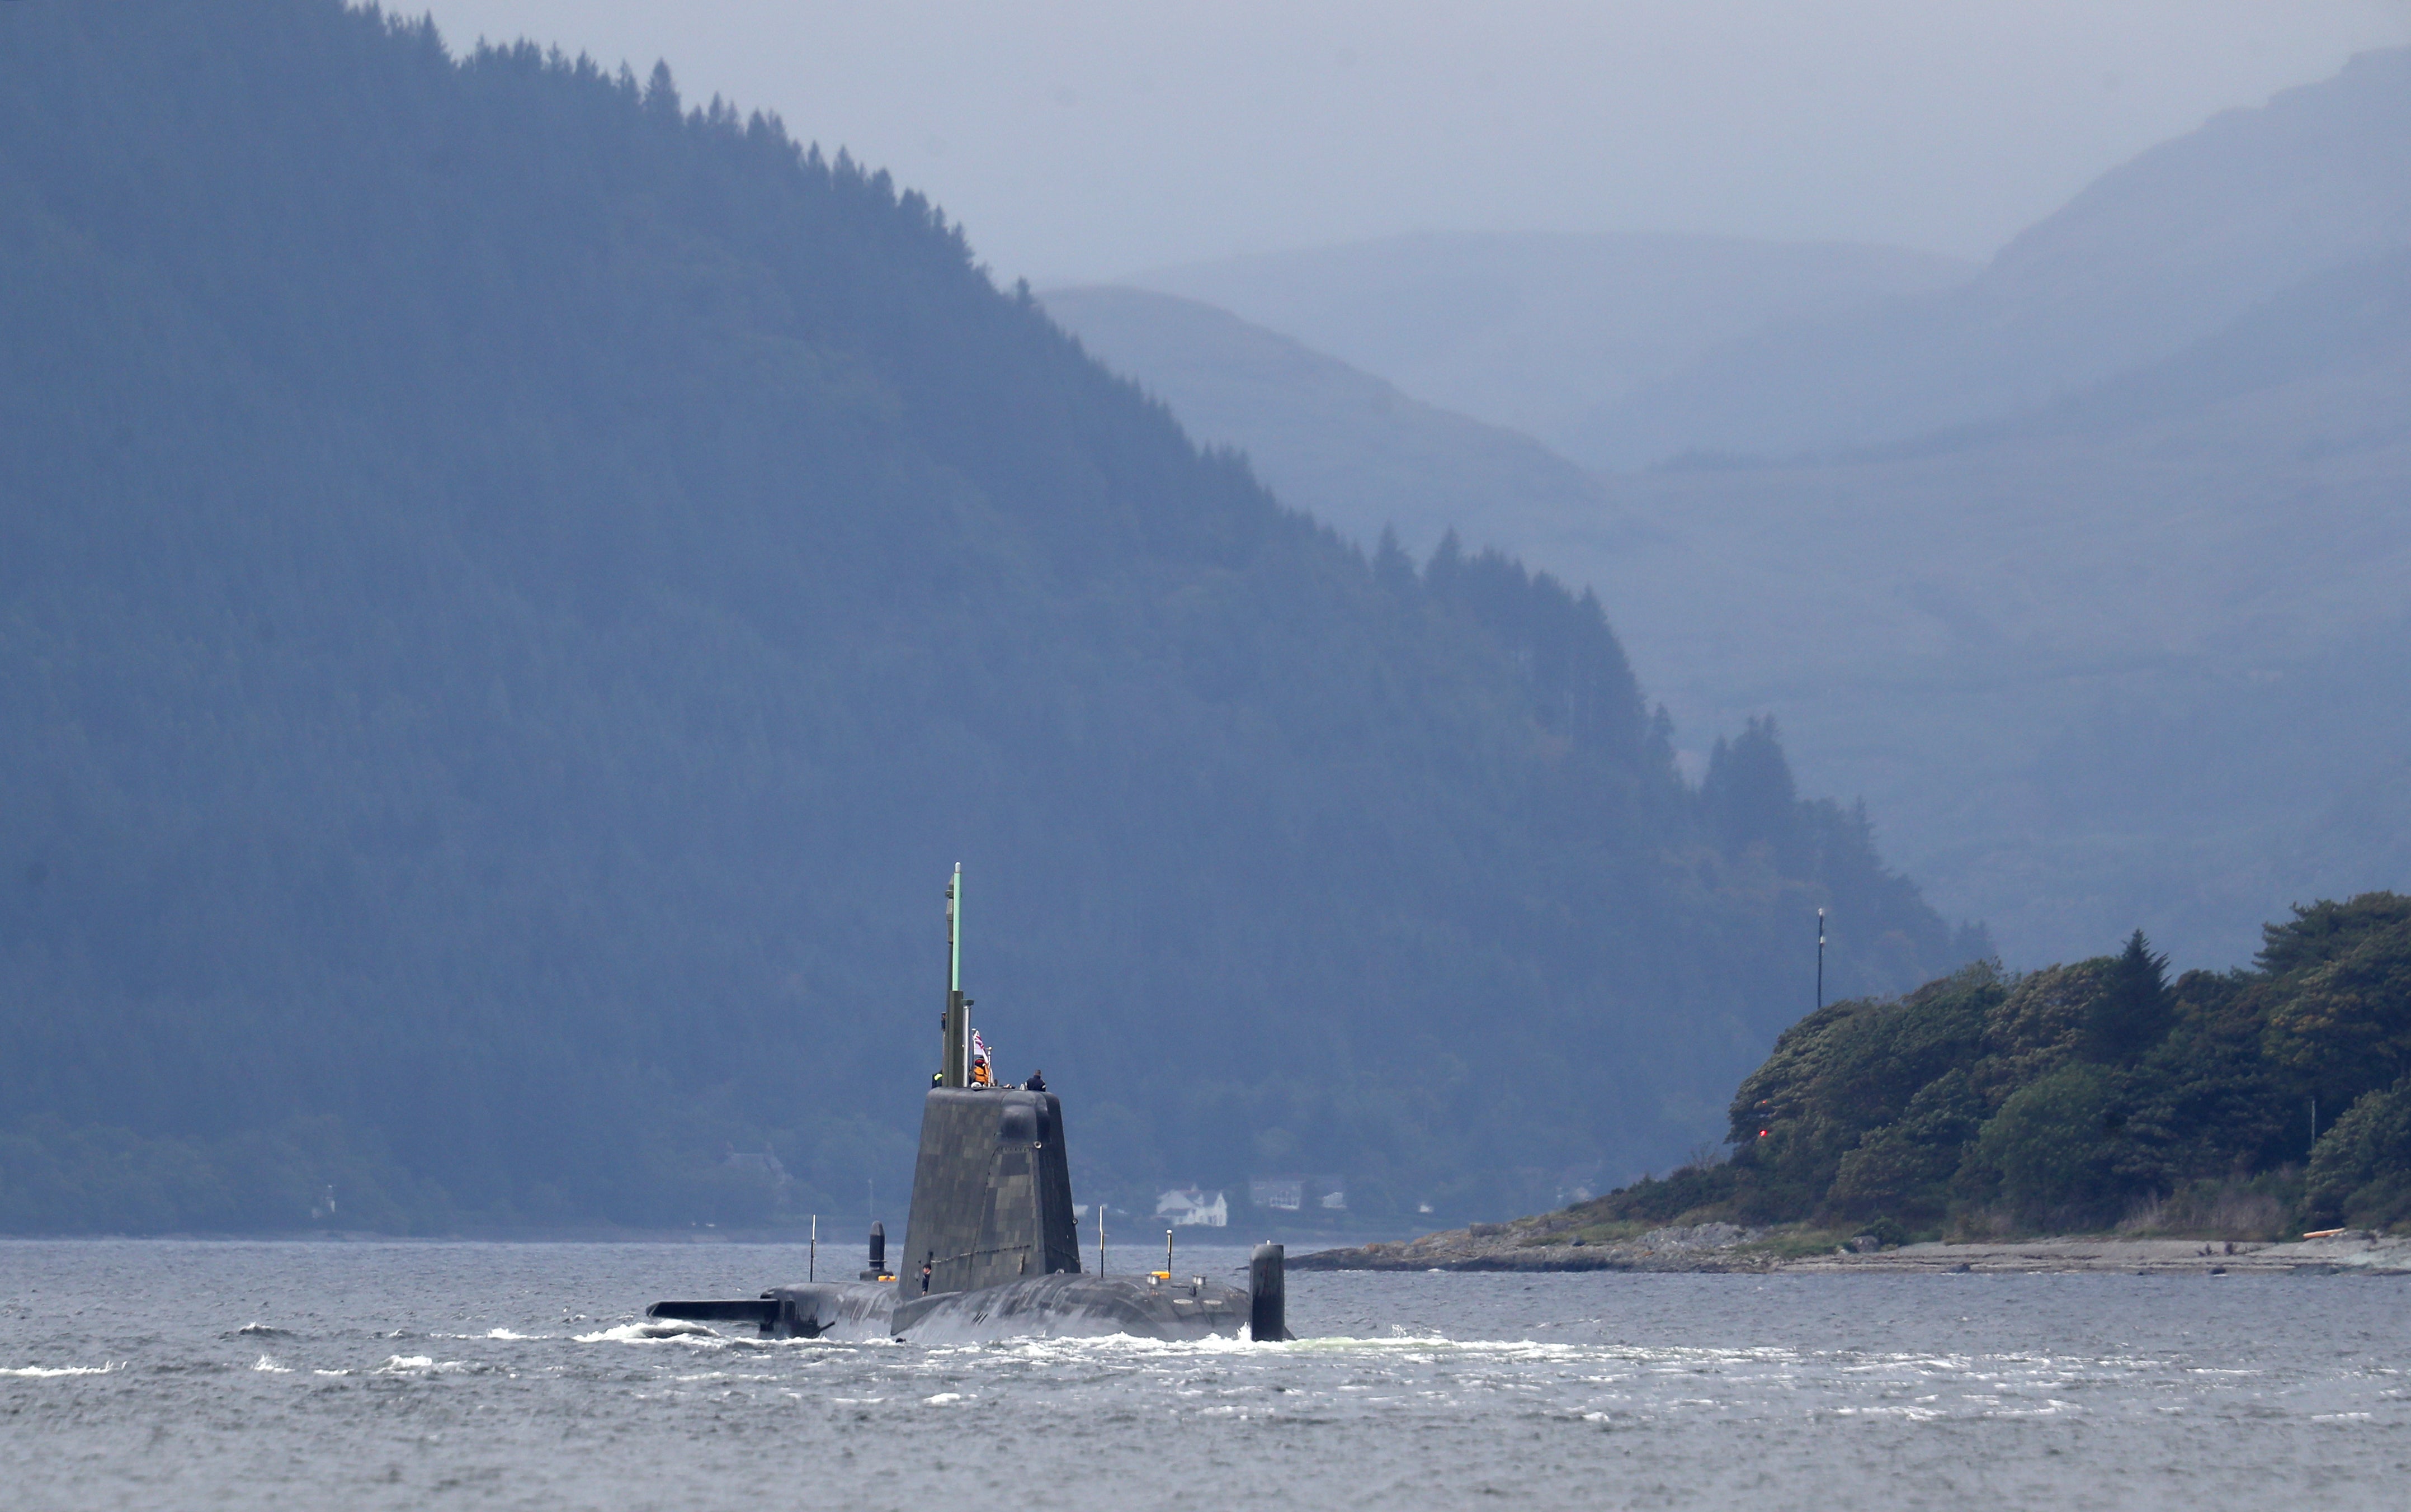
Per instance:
x=139, y=1374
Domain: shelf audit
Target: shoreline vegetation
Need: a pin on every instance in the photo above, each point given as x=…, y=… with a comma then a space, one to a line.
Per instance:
x=2088, y=1116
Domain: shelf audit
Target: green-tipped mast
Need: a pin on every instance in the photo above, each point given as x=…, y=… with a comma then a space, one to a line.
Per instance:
x=956, y=1071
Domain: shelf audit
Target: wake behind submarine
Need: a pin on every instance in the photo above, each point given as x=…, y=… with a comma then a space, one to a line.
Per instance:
x=990, y=1247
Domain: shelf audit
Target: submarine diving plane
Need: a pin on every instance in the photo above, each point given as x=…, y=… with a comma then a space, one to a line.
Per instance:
x=990, y=1247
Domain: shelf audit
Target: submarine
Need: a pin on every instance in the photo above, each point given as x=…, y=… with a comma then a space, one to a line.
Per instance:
x=991, y=1249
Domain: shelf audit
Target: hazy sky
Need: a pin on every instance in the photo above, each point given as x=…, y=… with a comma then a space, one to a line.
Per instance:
x=1081, y=140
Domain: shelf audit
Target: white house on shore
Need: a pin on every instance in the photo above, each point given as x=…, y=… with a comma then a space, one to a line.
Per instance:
x=1187, y=1206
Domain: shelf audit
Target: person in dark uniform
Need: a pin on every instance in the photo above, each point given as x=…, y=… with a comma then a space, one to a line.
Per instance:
x=925, y=1272
x=1037, y=1083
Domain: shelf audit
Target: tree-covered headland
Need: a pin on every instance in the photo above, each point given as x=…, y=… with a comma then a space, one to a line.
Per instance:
x=2243, y=1103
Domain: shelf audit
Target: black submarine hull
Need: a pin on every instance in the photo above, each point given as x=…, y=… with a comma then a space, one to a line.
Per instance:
x=1059, y=1306
x=1074, y=1306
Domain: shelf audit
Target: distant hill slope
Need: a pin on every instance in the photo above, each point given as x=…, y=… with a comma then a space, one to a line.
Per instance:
x=1345, y=446
x=2156, y=255
x=2350, y=324
x=2120, y=658
x=513, y=593
x=1538, y=331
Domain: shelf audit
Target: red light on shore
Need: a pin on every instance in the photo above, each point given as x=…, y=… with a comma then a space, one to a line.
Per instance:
x=1762, y=1133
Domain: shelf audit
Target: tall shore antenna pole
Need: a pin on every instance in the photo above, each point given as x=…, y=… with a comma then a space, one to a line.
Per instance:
x=1821, y=959
x=956, y=1071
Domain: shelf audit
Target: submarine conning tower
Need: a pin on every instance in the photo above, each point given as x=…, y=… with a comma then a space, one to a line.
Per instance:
x=991, y=1193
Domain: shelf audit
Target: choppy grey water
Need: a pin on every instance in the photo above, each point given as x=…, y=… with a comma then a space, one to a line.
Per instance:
x=148, y=1374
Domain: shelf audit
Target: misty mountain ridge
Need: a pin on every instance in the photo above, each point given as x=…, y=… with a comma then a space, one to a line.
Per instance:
x=514, y=591
x=2152, y=256
x=1534, y=331
x=1626, y=351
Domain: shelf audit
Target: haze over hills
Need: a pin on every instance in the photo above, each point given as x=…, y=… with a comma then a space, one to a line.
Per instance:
x=1628, y=352
x=2126, y=660
x=2111, y=660
x=2157, y=254
x=514, y=591
x=1538, y=332
x=1345, y=446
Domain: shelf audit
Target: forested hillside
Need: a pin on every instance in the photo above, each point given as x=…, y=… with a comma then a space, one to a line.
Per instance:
x=2245, y=1102
x=516, y=589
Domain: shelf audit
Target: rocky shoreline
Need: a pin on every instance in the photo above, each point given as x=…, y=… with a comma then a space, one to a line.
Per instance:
x=1532, y=1244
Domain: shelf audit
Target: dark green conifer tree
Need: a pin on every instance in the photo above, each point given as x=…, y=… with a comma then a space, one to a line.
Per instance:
x=2133, y=1010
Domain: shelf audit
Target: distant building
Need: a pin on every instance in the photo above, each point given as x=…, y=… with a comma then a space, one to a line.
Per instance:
x=1283, y=1194
x=1187, y=1206
x=1296, y=1194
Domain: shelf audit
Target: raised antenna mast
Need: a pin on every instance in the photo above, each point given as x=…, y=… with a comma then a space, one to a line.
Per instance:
x=956, y=1072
